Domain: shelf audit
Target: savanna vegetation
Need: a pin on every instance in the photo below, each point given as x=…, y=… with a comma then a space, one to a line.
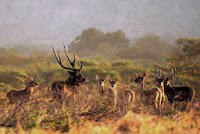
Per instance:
x=106, y=54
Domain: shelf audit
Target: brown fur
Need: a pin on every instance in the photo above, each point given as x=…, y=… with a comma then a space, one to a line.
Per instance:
x=74, y=80
x=15, y=96
x=151, y=96
x=182, y=93
x=111, y=92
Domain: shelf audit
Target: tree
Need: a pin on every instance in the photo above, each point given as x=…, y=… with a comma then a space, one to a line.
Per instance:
x=151, y=43
x=91, y=40
x=186, y=58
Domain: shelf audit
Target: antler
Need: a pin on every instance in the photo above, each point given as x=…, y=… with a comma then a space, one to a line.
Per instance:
x=173, y=72
x=28, y=78
x=160, y=72
x=59, y=60
x=73, y=63
x=23, y=76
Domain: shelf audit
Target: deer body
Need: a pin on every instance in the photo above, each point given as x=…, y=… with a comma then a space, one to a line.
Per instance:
x=111, y=93
x=61, y=87
x=16, y=96
x=182, y=93
x=74, y=80
x=129, y=96
x=150, y=96
x=159, y=78
x=126, y=96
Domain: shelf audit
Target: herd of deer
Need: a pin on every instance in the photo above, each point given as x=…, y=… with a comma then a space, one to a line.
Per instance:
x=155, y=96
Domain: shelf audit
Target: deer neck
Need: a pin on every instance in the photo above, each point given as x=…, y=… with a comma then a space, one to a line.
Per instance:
x=68, y=83
x=114, y=90
x=142, y=86
x=29, y=89
x=142, y=89
x=166, y=86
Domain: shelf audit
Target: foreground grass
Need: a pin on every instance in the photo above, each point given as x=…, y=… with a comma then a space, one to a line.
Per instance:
x=130, y=123
x=44, y=115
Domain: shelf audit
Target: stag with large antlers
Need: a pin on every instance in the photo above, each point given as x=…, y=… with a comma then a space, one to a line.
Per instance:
x=148, y=96
x=181, y=93
x=15, y=96
x=74, y=80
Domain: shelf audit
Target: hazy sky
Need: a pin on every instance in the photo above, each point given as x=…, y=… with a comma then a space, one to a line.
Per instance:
x=60, y=21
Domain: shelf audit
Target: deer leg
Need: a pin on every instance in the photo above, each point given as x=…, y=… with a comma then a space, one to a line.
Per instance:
x=74, y=96
x=156, y=101
x=163, y=100
x=160, y=101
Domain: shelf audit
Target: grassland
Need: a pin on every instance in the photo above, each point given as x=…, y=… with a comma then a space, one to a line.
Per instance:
x=89, y=113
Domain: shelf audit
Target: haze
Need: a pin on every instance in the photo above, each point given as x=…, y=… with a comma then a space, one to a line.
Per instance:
x=60, y=21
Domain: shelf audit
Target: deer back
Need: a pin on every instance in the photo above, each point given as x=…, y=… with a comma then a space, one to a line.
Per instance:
x=21, y=95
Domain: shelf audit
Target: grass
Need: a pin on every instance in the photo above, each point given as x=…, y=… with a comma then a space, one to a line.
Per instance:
x=89, y=113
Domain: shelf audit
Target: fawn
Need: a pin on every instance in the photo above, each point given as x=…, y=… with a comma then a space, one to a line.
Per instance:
x=148, y=96
x=110, y=93
x=127, y=95
x=15, y=96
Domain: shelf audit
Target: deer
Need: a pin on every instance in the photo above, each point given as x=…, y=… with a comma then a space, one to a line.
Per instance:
x=15, y=96
x=159, y=78
x=177, y=93
x=70, y=85
x=128, y=95
x=110, y=93
x=151, y=96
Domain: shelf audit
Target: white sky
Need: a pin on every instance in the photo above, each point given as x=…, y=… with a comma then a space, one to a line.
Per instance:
x=60, y=21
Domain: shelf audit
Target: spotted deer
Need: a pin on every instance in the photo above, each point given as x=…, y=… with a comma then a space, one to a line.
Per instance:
x=105, y=91
x=15, y=96
x=159, y=78
x=179, y=93
x=111, y=92
x=151, y=96
x=75, y=78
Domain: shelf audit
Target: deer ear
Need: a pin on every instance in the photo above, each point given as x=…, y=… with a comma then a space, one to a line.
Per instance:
x=117, y=79
x=137, y=74
x=144, y=75
x=107, y=78
x=97, y=77
x=30, y=79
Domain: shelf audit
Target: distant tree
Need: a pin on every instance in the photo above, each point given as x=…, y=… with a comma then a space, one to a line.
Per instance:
x=151, y=43
x=149, y=46
x=87, y=42
x=186, y=58
x=185, y=55
x=93, y=42
x=117, y=39
x=3, y=50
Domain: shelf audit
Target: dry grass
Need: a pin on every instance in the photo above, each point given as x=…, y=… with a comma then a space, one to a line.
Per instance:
x=90, y=113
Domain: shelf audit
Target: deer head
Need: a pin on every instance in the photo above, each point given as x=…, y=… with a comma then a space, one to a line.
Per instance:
x=30, y=82
x=101, y=83
x=160, y=76
x=170, y=77
x=113, y=83
x=75, y=74
x=139, y=79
